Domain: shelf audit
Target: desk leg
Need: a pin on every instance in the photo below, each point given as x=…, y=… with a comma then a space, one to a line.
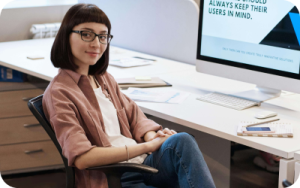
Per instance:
x=216, y=151
x=286, y=171
x=297, y=172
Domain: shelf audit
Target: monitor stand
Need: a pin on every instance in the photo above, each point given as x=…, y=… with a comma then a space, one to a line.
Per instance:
x=259, y=94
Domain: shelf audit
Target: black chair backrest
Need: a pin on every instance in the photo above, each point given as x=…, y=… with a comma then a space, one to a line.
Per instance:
x=36, y=107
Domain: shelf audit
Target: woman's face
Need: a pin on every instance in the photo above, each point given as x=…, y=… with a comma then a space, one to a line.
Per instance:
x=87, y=53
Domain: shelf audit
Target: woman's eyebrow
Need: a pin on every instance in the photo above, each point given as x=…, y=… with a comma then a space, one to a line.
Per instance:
x=88, y=29
x=104, y=31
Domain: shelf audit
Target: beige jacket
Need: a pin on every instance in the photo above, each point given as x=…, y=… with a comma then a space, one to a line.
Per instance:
x=71, y=107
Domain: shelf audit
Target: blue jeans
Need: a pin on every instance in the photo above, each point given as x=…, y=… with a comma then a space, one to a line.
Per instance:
x=180, y=164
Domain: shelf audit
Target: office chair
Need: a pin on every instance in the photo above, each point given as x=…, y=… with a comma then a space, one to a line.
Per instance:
x=286, y=183
x=113, y=172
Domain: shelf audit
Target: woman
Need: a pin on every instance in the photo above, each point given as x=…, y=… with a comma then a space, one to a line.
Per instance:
x=96, y=124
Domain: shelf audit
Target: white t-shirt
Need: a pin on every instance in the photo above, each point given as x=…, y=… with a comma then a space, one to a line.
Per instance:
x=112, y=127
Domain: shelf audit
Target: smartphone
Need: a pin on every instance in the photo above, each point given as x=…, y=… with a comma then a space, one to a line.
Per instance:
x=256, y=130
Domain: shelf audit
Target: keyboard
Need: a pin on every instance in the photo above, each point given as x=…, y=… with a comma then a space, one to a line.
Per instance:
x=228, y=101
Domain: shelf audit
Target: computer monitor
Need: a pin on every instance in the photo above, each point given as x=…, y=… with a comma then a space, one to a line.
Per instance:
x=255, y=41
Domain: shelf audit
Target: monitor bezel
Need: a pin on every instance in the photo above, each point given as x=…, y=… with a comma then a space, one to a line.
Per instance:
x=235, y=63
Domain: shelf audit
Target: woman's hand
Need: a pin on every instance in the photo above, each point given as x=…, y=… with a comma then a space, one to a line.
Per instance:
x=155, y=143
x=156, y=139
x=163, y=133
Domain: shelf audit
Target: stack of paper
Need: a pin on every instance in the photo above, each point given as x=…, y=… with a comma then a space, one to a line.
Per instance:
x=282, y=129
x=160, y=96
x=132, y=82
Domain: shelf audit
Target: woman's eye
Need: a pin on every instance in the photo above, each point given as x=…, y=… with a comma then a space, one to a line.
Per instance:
x=103, y=37
x=86, y=34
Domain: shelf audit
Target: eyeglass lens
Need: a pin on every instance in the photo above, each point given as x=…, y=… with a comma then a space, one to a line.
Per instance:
x=89, y=36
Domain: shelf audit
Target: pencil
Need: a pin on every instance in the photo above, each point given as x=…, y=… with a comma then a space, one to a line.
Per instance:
x=262, y=122
x=145, y=58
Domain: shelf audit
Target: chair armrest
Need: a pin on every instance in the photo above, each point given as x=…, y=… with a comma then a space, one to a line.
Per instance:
x=286, y=183
x=125, y=167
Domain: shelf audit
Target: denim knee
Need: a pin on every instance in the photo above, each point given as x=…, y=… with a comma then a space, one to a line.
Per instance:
x=185, y=137
x=182, y=139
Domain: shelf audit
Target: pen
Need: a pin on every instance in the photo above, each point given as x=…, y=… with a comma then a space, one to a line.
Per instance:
x=258, y=123
x=145, y=58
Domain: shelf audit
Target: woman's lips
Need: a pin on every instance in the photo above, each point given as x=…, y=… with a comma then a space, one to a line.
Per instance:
x=93, y=54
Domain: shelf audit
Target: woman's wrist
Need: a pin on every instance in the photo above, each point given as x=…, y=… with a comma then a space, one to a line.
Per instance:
x=149, y=135
x=148, y=147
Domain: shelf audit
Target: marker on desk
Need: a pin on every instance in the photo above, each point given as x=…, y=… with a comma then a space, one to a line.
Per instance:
x=35, y=57
x=262, y=122
x=143, y=78
x=145, y=58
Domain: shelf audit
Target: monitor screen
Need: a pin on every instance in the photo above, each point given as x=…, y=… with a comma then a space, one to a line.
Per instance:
x=260, y=35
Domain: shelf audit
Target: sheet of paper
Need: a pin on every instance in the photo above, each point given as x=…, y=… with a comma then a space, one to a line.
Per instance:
x=128, y=62
x=161, y=96
x=119, y=73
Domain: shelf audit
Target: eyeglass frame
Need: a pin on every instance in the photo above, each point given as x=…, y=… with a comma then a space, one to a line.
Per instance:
x=96, y=35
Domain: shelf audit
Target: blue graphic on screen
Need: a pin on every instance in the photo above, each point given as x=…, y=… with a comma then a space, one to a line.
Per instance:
x=268, y=39
x=295, y=17
x=286, y=34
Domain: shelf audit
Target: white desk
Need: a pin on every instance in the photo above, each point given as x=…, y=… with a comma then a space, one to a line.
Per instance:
x=221, y=121
x=208, y=118
x=14, y=55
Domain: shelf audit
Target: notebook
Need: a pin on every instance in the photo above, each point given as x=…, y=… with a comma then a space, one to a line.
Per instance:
x=132, y=82
x=284, y=130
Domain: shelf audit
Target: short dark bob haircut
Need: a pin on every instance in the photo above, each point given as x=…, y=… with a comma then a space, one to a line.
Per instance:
x=61, y=54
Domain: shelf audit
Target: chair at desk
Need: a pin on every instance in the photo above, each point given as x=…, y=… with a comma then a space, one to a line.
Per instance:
x=113, y=172
x=286, y=183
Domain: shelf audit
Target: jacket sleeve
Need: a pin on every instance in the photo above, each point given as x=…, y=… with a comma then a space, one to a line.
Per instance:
x=60, y=112
x=139, y=123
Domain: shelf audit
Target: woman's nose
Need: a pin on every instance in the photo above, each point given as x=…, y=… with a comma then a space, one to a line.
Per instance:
x=96, y=42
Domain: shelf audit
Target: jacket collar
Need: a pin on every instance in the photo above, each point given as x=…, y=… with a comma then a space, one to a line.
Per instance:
x=74, y=75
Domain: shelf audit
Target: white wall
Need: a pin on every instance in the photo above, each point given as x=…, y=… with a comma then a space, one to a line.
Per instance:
x=15, y=23
x=167, y=28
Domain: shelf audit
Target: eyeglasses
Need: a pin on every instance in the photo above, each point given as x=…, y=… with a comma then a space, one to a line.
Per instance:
x=89, y=36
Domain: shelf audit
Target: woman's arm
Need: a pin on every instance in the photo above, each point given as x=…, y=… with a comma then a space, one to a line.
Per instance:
x=99, y=156
x=149, y=136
